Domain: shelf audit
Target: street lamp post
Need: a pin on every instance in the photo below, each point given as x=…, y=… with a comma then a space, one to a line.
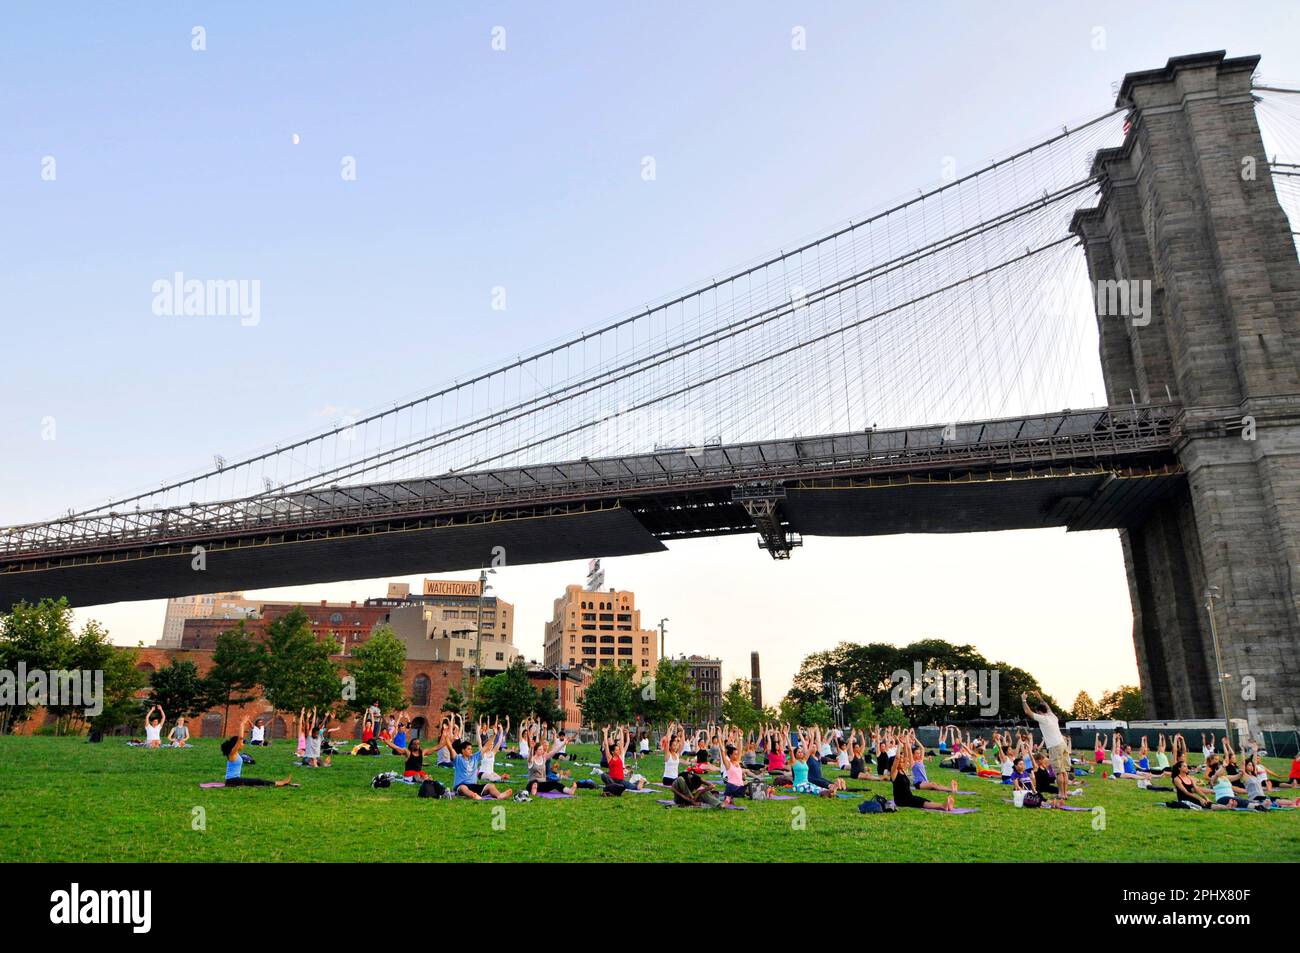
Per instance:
x=1211, y=594
x=663, y=631
x=478, y=628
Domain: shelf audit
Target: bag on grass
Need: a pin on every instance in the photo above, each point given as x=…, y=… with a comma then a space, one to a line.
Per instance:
x=1033, y=799
x=431, y=788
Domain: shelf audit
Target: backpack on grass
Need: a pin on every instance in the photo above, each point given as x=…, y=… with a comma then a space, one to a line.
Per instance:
x=432, y=788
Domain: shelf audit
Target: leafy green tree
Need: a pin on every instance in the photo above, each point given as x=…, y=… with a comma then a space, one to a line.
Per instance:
x=378, y=668
x=1123, y=704
x=738, y=706
x=299, y=671
x=667, y=696
x=179, y=689
x=238, y=660
x=817, y=714
x=894, y=717
x=36, y=636
x=861, y=712
x=455, y=702
x=790, y=711
x=546, y=710
x=123, y=683
x=608, y=698
x=1085, y=709
x=508, y=694
x=90, y=653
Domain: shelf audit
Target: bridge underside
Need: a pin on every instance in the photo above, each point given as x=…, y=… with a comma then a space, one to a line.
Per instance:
x=1076, y=498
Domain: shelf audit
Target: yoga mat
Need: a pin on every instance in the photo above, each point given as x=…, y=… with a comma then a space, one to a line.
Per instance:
x=955, y=810
x=784, y=797
x=554, y=795
x=725, y=807
x=1048, y=807
x=213, y=784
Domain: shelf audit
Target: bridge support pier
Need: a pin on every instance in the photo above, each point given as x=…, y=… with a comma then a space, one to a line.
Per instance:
x=1189, y=223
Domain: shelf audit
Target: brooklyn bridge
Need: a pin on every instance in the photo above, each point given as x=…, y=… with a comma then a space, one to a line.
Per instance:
x=905, y=372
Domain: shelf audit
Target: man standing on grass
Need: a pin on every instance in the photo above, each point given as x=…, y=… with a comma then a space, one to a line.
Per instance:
x=1057, y=749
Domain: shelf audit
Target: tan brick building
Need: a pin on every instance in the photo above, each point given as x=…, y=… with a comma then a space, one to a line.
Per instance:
x=599, y=628
x=214, y=605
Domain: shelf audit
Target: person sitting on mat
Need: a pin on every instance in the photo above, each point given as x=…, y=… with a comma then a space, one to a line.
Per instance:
x=235, y=764
x=539, y=781
x=465, y=775
x=414, y=755
x=179, y=736
x=153, y=727
x=614, y=749
x=900, y=776
x=692, y=790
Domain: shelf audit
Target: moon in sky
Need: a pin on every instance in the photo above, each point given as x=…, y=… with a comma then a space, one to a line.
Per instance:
x=295, y=139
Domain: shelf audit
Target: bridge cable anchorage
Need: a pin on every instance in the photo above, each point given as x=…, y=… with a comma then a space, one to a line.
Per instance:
x=751, y=288
x=762, y=503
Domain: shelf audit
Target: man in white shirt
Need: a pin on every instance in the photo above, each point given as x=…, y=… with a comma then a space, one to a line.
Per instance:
x=1058, y=750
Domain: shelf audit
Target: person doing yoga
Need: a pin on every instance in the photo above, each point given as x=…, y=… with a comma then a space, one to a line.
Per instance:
x=900, y=775
x=153, y=727
x=231, y=748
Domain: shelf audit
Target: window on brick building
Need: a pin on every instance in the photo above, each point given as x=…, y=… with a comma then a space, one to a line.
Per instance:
x=420, y=690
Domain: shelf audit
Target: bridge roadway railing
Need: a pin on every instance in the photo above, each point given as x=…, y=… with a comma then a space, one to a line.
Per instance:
x=1071, y=436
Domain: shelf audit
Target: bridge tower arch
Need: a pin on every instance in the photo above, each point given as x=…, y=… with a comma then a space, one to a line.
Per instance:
x=1188, y=217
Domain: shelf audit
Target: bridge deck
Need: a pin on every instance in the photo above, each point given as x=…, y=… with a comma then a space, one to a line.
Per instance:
x=1080, y=469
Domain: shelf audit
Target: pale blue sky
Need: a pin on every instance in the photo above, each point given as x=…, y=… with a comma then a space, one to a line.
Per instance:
x=520, y=168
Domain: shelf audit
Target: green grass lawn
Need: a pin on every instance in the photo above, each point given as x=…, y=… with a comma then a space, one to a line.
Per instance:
x=64, y=800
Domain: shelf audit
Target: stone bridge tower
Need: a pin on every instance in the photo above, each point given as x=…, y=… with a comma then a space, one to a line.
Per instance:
x=1188, y=212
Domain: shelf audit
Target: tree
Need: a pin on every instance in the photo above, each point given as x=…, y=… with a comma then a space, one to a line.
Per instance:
x=790, y=711
x=379, y=670
x=120, y=703
x=861, y=712
x=1085, y=709
x=546, y=710
x=508, y=694
x=738, y=706
x=894, y=717
x=35, y=637
x=455, y=701
x=1123, y=704
x=817, y=714
x=299, y=672
x=237, y=664
x=608, y=698
x=667, y=696
x=178, y=689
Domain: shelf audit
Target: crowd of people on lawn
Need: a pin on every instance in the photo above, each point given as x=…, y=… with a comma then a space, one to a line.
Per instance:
x=719, y=765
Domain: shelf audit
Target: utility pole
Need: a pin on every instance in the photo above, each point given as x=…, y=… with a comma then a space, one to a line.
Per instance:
x=478, y=628
x=663, y=630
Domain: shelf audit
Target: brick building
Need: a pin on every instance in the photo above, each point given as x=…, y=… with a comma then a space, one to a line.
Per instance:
x=570, y=686
x=426, y=684
x=348, y=622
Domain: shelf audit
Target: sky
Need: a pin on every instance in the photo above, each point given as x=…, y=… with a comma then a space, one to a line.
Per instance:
x=520, y=167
